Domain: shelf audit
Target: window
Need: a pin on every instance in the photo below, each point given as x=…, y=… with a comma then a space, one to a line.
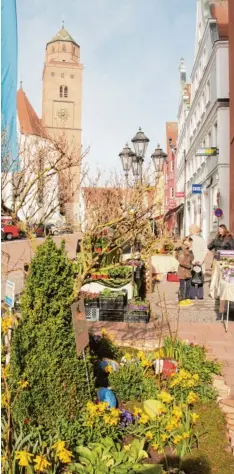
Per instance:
x=53, y=49
x=172, y=165
x=64, y=48
x=61, y=91
x=72, y=76
x=73, y=50
x=62, y=75
x=52, y=74
x=65, y=91
x=215, y=135
x=171, y=193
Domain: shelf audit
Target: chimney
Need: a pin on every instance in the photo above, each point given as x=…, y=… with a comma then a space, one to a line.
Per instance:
x=182, y=70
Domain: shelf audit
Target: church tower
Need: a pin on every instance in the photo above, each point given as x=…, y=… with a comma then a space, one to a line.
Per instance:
x=62, y=97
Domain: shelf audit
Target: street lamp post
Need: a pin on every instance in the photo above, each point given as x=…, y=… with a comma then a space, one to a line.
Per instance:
x=159, y=158
x=140, y=143
x=126, y=156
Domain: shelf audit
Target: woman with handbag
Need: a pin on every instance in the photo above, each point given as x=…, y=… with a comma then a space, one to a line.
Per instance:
x=199, y=250
x=185, y=257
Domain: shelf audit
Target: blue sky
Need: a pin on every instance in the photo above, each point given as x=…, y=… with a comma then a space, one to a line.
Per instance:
x=130, y=50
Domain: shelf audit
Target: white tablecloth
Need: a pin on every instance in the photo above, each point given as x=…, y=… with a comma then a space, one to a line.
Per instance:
x=164, y=264
x=219, y=288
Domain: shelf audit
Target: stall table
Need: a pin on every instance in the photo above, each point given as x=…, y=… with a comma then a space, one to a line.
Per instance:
x=164, y=264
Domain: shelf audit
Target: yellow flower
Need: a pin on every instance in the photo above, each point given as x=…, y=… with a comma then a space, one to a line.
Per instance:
x=149, y=435
x=177, y=439
x=177, y=412
x=65, y=456
x=143, y=419
x=23, y=457
x=186, y=435
x=108, y=369
x=141, y=355
x=101, y=407
x=164, y=437
x=165, y=397
x=127, y=447
x=4, y=401
x=59, y=446
x=137, y=411
x=194, y=417
x=192, y=398
x=7, y=323
x=145, y=363
x=169, y=426
x=23, y=383
x=41, y=463
x=127, y=356
x=155, y=446
x=115, y=412
x=196, y=377
x=159, y=354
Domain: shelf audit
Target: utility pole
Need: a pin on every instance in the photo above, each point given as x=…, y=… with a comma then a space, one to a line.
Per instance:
x=185, y=192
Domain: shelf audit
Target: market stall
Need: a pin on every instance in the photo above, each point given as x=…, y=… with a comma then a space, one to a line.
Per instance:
x=222, y=282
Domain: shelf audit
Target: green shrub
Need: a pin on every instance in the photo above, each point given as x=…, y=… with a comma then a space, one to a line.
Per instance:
x=130, y=383
x=43, y=345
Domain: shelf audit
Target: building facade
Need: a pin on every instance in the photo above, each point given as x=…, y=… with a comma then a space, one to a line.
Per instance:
x=61, y=103
x=231, y=82
x=205, y=180
x=170, y=202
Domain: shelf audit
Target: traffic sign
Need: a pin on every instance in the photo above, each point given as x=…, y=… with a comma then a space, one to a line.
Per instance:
x=212, y=151
x=10, y=294
x=218, y=212
x=196, y=188
x=180, y=194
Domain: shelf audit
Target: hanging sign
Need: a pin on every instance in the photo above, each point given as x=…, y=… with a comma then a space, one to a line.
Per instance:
x=218, y=212
x=196, y=188
x=212, y=151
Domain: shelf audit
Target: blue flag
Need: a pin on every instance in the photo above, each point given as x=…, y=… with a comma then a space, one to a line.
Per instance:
x=9, y=52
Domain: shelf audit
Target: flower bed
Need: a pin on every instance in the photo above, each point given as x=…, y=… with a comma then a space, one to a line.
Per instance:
x=156, y=417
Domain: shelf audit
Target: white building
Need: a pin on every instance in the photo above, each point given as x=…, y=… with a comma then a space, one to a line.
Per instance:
x=204, y=122
x=33, y=190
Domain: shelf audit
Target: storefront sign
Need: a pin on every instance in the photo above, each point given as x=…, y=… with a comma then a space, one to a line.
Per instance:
x=180, y=194
x=218, y=212
x=196, y=188
x=212, y=151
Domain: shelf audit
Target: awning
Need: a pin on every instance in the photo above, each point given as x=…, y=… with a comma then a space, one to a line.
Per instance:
x=174, y=210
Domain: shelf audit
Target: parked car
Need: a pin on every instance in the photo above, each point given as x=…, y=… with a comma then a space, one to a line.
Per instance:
x=43, y=230
x=64, y=229
x=9, y=230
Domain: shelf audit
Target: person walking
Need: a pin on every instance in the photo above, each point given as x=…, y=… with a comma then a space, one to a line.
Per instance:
x=223, y=240
x=185, y=256
x=199, y=249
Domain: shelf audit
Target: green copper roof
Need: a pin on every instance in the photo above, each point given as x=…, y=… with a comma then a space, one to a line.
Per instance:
x=63, y=35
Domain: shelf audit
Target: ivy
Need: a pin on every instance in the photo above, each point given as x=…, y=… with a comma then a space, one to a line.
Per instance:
x=43, y=345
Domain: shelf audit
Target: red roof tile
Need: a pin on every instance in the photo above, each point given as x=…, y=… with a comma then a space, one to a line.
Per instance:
x=219, y=11
x=30, y=124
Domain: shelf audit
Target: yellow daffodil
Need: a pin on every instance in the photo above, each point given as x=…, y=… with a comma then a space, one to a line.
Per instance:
x=165, y=397
x=41, y=463
x=196, y=377
x=164, y=437
x=137, y=411
x=177, y=412
x=7, y=323
x=101, y=407
x=23, y=383
x=4, y=401
x=145, y=363
x=143, y=419
x=192, y=398
x=127, y=447
x=177, y=439
x=59, y=446
x=64, y=456
x=155, y=446
x=115, y=412
x=149, y=435
x=108, y=369
x=127, y=357
x=24, y=458
x=104, y=332
x=186, y=435
x=159, y=354
x=169, y=426
x=194, y=417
